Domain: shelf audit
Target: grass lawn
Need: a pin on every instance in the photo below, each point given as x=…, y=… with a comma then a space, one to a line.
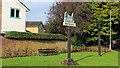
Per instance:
x=83, y=58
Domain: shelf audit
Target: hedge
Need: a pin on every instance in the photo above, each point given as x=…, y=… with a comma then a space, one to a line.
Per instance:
x=34, y=36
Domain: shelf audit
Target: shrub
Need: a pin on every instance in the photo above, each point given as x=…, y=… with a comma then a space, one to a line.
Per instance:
x=36, y=36
x=78, y=40
x=63, y=50
x=78, y=48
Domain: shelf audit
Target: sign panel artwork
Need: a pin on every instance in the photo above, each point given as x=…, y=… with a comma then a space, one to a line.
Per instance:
x=68, y=20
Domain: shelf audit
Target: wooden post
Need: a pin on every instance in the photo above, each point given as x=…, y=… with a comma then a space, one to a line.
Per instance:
x=69, y=45
x=99, y=42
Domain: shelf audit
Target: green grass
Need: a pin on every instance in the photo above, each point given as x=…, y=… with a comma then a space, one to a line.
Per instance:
x=83, y=58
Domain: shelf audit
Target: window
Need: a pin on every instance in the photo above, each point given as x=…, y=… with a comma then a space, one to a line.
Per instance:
x=17, y=13
x=14, y=13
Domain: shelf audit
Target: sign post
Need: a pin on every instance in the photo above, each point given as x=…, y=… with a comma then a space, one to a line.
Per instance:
x=69, y=21
x=69, y=45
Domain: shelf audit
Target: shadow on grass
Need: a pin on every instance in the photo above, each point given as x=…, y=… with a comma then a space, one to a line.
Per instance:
x=103, y=53
x=83, y=58
x=89, y=56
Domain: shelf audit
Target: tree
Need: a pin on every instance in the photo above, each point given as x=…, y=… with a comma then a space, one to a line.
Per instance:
x=103, y=14
x=51, y=28
x=81, y=16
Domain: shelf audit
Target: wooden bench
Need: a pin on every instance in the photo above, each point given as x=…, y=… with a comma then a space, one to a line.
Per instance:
x=48, y=52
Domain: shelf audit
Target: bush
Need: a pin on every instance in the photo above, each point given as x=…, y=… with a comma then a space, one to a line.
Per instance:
x=10, y=53
x=63, y=50
x=36, y=36
x=78, y=40
x=78, y=48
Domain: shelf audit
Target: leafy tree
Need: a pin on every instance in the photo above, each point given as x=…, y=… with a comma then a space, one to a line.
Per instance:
x=79, y=40
x=101, y=13
x=51, y=28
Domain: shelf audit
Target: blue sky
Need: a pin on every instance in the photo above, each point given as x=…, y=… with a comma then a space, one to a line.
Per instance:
x=37, y=10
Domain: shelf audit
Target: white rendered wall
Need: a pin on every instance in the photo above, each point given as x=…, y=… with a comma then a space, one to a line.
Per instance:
x=12, y=24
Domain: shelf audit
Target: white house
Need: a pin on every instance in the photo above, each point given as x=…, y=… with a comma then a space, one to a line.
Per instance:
x=12, y=16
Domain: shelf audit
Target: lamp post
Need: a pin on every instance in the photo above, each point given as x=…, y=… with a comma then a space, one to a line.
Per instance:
x=110, y=31
x=110, y=27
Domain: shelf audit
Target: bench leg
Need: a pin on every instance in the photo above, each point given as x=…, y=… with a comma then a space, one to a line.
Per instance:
x=57, y=52
x=47, y=54
x=39, y=53
x=42, y=53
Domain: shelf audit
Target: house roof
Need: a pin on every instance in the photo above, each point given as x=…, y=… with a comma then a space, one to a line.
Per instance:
x=34, y=23
x=39, y=22
x=25, y=7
